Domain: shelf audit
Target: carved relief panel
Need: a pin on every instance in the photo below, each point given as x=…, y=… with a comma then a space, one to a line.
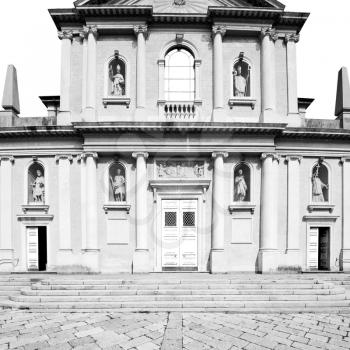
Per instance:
x=172, y=169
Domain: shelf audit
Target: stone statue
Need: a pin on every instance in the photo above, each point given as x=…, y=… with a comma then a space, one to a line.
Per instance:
x=118, y=187
x=39, y=188
x=118, y=82
x=240, y=187
x=240, y=83
x=317, y=187
x=179, y=2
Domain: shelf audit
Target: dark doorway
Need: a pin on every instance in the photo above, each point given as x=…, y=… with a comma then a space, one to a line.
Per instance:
x=324, y=249
x=42, y=247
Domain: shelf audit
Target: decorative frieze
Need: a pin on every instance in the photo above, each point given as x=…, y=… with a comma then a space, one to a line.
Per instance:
x=180, y=169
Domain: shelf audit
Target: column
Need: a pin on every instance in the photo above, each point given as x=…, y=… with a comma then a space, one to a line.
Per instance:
x=268, y=69
x=141, y=262
x=84, y=37
x=141, y=32
x=64, y=113
x=90, y=110
x=269, y=213
x=293, y=110
x=218, y=214
x=218, y=76
x=92, y=247
x=64, y=209
x=6, y=217
x=197, y=89
x=345, y=253
x=294, y=217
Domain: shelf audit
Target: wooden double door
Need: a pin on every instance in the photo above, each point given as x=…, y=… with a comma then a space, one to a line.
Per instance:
x=180, y=235
x=318, y=248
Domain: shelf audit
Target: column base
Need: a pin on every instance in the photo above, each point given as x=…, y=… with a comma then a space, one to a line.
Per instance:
x=345, y=260
x=89, y=115
x=293, y=258
x=65, y=257
x=141, y=262
x=268, y=260
x=91, y=259
x=7, y=263
x=64, y=118
x=217, y=262
x=218, y=114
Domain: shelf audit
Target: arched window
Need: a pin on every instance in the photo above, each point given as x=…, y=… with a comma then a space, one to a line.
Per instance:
x=36, y=184
x=117, y=183
x=320, y=183
x=242, y=183
x=241, y=79
x=179, y=75
x=117, y=77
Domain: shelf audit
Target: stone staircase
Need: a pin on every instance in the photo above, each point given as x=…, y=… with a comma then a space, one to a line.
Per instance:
x=183, y=292
x=12, y=285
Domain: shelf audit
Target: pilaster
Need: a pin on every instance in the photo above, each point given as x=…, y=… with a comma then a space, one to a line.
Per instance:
x=345, y=253
x=6, y=238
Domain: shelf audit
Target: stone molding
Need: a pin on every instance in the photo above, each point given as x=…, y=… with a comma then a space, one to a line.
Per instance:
x=64, y=156
x=271, y=32
x=274, y=156
x=140, y=154
x=7, y=157
x=294, y=158
x=141, y=29
x=219, y=29
x=292, y=37
x=65, y=34
x=219, y=154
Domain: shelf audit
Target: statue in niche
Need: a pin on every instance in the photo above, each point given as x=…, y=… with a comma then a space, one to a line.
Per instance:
x=241, y=79
x=38, y=187
x=118, y=81
x=118, y=184
x=241, y=187
x=318, y=186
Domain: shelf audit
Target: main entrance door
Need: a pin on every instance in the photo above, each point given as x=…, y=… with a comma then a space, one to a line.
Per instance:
x=318, y=250
x=36, y=248
x=179, y=235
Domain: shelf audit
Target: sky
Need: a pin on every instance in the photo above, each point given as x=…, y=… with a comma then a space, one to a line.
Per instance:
x=29, y=41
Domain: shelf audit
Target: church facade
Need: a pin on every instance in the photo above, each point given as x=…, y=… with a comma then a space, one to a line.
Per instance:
x=178, y=143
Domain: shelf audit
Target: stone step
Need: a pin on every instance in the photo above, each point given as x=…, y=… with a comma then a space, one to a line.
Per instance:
x=10, y=287
x=181, y=286
x=77, y=292
x=171, y=298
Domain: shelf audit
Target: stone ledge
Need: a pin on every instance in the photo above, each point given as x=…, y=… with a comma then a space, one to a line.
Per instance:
x=321, y=207
x=116, y=101
x=122, y=206
x=242, y=207
x=242, y=102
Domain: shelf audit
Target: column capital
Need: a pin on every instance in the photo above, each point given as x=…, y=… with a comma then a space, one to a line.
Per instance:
x=345, y=159
x=7, y=157
x=65, y=34
x=219, y=29
x=292, y=37
x=219, y=154
x=270, y=32
x=141, y=29
x=294, y=157
x=69, y=157
x=86, y=155
x=274, y=156
x=90, y=30
x=140, y=154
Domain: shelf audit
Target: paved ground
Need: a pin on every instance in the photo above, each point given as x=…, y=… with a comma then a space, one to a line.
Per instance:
x=24, y=330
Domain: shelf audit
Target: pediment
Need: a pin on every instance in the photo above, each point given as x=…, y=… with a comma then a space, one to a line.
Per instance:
x=182, y=6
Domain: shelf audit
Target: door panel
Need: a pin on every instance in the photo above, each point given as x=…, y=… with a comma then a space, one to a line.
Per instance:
x=179, y=233
x=32, y=248
x=312, y=249
x=324, y=249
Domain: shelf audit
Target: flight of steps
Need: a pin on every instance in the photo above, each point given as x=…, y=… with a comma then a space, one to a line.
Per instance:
x=193, y=293
x=11, y=286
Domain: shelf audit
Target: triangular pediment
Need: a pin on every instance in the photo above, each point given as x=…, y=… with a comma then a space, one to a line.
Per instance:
x=185, y=6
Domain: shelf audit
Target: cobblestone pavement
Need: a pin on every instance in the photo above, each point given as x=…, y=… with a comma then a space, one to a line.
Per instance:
x=27, y=331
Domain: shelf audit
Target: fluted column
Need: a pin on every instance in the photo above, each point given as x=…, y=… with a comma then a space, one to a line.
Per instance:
x=269, y=213
x=141, y=261
x=6, y=217
x=345, y=254
x=90, y=110
x=218, y=76
x=92, y=245
x=268, y=68
x=141, y=32
x=294, y=217
x=64, y=209
x=64, y=113
x=218, y=214
x=293, y=111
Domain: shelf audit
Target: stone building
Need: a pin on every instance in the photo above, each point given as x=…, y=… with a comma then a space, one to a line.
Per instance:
x=178, y=142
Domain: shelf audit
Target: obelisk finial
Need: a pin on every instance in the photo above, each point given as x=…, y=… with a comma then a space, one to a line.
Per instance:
x=10, y=100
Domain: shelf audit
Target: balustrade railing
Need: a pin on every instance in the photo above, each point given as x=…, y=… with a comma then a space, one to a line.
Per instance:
x=180, y=111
